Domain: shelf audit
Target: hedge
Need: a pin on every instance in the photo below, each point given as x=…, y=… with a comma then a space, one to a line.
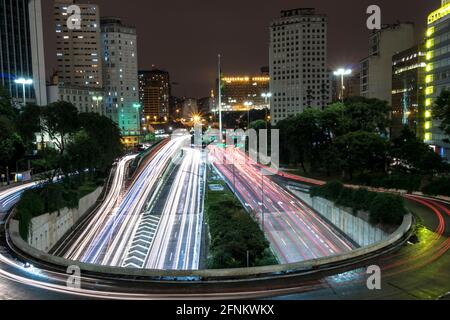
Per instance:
x=233, y=232
x=49, y=198
x=384, y=208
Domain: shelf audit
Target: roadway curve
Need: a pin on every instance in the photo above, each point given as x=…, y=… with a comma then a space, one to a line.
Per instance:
x=415, y=271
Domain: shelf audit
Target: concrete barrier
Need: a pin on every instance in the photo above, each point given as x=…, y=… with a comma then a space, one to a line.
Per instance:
x=356, y=227
x=218, y=274
x=47, y=229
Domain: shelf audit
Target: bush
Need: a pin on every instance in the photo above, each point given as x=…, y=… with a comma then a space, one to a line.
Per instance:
x=29, y=206
x=50, y=198
x=387, y=209
x=362, y=198
x=331, y=191
x=233, y=233
x=384, y=208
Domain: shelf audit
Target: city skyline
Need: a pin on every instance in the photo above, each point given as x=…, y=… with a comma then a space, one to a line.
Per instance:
x=193, y=64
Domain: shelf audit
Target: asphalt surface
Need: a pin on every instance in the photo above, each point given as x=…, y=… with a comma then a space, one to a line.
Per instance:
x=296, y=232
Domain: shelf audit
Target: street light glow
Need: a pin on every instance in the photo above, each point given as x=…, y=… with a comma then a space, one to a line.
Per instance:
x=342, y=72
x=23, y=81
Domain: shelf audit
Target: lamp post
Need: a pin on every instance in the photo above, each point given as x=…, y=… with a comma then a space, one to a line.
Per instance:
x=137, y=106
x=97, y=100
x=267, y=97
x=24, y=82
x=342, y=73
x=248, y=104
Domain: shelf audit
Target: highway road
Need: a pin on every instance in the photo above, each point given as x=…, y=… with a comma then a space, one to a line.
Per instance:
x=296, y=232
x=178, y=239
x=415, y=271
x=103, y=214
x=108, y=239
x=10, y=196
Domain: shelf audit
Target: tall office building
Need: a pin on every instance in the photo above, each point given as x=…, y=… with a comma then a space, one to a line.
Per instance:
x=22, y=49
x=376, y=69
x=78, y=51
x=437, y=74
x=241, y=93
x=120, y=77
x=299, y=78
x=154, y=91
x=408, y=74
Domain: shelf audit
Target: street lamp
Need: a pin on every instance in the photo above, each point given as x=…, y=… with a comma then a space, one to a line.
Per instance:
x=266, y=97
x=248, y=104
x=341, y=73
x=24, y=82
x=97, y=100
x=137, y=106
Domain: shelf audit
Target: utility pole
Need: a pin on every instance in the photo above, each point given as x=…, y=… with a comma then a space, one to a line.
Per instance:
x=262, y=199
x=220, y=98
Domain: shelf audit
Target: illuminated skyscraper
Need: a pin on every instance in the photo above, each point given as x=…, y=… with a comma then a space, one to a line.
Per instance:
x=408, y=74
x=240, y=93
x=299, y=78
x=437, y=74
x=154, y=91
x=22, y=49
x=78, y=51
x=120, y=77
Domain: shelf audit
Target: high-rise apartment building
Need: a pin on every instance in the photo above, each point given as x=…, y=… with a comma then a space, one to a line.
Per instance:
x=437, y=76
x=78, y=51
x=120, y=77
x=408, y=75
x=22, y=49
x=154, y=92
x=299, y=78
x=376, y=69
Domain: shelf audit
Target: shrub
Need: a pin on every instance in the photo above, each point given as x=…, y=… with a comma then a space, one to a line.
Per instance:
x=384, y=208
x=387, y=209
x=362, y=198
x=29, y=206
x=331, y=191
x=233, y=233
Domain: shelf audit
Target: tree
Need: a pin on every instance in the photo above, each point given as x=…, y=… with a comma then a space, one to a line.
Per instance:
x=28, y=123
x=441, y=111
x=61, y=122
x=258, y=125
x=371, y=115
x=302, y=138
x=412, y=155
x=11, y=146
x=95, y=145
x=361, y=151
x=334, y=121
x=6, y=109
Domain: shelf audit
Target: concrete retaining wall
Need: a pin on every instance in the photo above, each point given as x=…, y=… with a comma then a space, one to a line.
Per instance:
x=46, y=230
x=356, y=228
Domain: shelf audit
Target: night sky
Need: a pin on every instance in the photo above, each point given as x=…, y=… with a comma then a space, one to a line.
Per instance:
x=185, y=36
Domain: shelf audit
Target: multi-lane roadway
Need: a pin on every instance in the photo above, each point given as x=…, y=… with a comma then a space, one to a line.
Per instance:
x=110, y=235
x=296, y=232
x=178, y=239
